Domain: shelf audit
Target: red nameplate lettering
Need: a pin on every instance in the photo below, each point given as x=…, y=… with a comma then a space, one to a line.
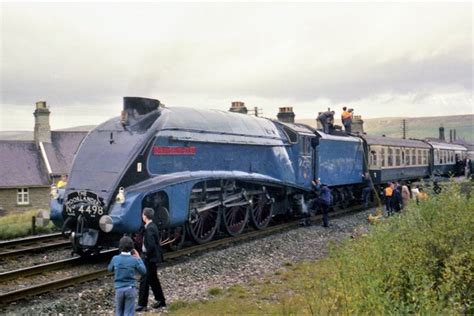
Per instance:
x=163, y=151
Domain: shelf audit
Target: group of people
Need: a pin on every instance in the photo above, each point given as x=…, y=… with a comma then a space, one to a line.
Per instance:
x=327, y=120
x=128, y=262
x=397, y=195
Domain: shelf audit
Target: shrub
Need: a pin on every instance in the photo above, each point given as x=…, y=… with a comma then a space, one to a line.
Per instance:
x=19, y=225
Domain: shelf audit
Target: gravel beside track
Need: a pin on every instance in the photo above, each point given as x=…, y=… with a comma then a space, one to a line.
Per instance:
x=191, y=278
x=8, y=264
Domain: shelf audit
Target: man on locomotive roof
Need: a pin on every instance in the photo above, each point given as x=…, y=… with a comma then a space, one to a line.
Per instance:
x=152, y=254
x=327, y=120
x=124, y=267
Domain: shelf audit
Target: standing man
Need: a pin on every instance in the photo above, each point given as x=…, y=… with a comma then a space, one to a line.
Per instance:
x=367, y=188
x=323, y=201
x=397, y=198
x=152, y=254
x=346, y=119
x=388, y=192
x=326, y=119
x=405, y=195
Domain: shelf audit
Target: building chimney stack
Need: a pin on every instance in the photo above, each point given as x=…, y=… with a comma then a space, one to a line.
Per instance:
x=286, y=115
x=357, y=124
x=42, y=131
x=454, y=135
x=238, y=107
x=441, y=133
x=450, y=135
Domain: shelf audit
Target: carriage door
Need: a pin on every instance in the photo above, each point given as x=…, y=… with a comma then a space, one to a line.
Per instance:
x=305, y=162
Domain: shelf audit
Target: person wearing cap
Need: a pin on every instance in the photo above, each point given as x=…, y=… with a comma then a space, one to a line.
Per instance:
x=323, y=201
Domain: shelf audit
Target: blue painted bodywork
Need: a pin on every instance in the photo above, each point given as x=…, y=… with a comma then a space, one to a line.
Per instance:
x=340, y=160
x=217, y=144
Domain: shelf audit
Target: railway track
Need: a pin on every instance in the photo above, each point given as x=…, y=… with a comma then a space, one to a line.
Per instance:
x=23, y=246
x=23, y=293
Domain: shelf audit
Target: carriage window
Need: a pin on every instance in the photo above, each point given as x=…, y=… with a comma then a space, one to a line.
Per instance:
x=382, y=157
x=407, y=157
x=390, y=157
x=397, y=157
x=413, y=156
x=373, y=158
x=419, y=156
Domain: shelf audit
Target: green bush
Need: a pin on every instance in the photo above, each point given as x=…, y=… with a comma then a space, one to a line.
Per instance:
x=421, y=262
x=19, y=225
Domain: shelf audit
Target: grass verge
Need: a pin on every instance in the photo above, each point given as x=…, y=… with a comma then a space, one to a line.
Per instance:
x=421, y=262
x=19, y=225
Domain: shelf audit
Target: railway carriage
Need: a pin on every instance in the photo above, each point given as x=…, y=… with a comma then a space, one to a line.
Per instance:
x=446, y=158
x=392, y=159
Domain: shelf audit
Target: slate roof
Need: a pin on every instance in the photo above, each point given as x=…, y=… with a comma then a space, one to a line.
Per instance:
x=61, y=150
x=21, y=164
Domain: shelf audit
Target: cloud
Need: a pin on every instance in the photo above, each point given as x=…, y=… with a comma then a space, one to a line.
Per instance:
x=269, y=54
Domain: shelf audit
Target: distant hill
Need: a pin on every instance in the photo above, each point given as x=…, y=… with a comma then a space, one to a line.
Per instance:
x=417, y=127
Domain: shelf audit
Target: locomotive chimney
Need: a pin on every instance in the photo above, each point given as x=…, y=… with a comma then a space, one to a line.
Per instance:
x=286, y=115
x=238, y=107
x=441, y=133
x=135, y=107
x=42, y=131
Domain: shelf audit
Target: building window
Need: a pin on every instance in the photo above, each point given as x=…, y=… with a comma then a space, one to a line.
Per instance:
x=382, y=157
x=390, y=157
x=22, y=196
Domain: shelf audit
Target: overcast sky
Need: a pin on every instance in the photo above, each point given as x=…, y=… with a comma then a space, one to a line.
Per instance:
x=382, y=59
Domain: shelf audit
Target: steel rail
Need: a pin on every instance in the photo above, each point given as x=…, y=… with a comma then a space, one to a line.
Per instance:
x=16, y=295
x=52, y=266
x=26, y=240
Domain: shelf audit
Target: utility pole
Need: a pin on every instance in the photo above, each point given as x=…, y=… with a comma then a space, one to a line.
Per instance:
x=404, y=129
x=256, y=111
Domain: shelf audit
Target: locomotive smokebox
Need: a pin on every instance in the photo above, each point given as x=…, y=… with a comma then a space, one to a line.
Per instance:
x=286, y=115
x=134, y=108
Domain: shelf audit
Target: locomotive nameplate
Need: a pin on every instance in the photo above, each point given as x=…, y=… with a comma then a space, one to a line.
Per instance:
x=85, y=203
x=173, y=150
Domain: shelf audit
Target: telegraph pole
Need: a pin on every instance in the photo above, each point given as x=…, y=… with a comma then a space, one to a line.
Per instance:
x=404, y=129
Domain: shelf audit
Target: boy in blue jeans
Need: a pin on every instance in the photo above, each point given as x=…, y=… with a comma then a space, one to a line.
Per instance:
x=124, y=266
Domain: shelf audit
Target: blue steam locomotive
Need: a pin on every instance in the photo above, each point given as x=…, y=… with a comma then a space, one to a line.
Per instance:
x=206, y=171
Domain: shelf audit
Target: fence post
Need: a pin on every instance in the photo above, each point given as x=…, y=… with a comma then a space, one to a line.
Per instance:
x=33, y=225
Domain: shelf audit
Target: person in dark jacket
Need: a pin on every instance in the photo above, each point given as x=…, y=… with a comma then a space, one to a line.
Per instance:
x=323, y=201
x=396, y=201
x=152, y=254
x=124, y=267
x=366, y=182
x=326, y=119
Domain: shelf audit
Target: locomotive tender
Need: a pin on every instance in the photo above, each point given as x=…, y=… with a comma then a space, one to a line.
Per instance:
x=203, y=171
